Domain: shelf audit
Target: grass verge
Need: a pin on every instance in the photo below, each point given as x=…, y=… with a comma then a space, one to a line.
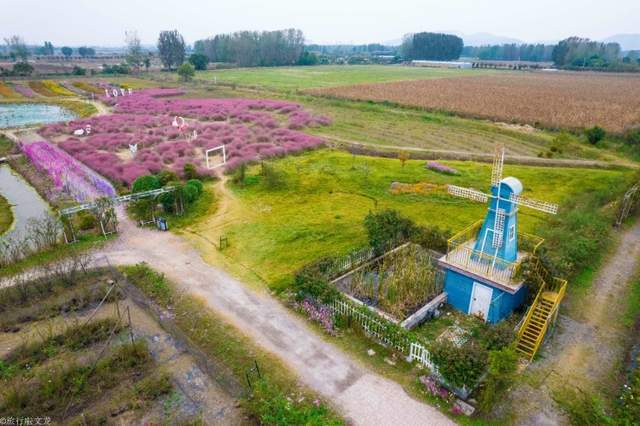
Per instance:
x=276, y=398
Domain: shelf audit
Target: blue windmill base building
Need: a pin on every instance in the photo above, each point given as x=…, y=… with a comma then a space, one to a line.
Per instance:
x=482, y=263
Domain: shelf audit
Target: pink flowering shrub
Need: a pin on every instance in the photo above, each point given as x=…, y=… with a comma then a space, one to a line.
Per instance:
x=68, y=174
x=24, y=90
x=319, y=313
x=249, y=129
x=441, y=168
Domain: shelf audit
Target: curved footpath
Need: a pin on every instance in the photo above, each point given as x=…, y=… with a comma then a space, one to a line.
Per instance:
x=362, y=397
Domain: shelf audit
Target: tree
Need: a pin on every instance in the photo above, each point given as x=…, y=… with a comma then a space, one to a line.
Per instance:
x=67, y=51
x=134, y=58
x=252, y=48
x=86, y=51
x=46, y=49
x=432, y=46
x=199, y=61
x=308, y=58
x=186, y=71
x=17, y=48
x=171, y=48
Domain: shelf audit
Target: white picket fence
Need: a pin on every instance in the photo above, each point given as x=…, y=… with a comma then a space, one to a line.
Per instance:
x=377, y=328
x=419, y=353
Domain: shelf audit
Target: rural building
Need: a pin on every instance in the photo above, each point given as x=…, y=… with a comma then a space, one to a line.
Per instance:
x=442, y=64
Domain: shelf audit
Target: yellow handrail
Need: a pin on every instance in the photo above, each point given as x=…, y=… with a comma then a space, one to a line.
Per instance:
x=530, y=311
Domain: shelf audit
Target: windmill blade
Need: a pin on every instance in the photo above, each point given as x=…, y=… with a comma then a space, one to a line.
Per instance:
x=469, y=193
x=542, y=206
x=498, y=162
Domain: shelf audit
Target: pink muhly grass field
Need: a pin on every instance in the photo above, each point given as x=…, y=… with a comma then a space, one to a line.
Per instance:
x=250, y=129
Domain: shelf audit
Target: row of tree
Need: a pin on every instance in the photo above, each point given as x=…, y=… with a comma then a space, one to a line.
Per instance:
x=432, y=46
x=582, y=52
x=17, y=49
x=253, y=48
x=511, y=52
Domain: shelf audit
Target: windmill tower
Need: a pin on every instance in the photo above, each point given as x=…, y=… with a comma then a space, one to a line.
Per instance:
x=482, y=261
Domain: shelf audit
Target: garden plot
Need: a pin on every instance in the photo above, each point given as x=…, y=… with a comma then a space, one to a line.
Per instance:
x=398, y=283
x=249, y=129
x=80, y=361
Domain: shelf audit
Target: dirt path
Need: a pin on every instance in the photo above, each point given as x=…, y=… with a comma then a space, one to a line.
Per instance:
x=361, y=395
x=588, y=344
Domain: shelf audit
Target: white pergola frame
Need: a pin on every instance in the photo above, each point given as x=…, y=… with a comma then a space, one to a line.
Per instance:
x=224, y=157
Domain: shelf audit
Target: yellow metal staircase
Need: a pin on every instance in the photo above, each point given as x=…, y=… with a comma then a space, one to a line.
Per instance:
x=542, y=313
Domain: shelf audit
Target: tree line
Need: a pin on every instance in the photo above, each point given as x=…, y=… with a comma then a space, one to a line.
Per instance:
x=254, y=48
x=511, y=52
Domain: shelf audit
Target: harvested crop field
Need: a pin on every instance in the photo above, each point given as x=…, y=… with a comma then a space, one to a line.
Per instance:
x=560, y=100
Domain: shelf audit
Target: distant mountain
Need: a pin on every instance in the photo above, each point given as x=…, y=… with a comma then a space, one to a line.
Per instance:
x=626, y=41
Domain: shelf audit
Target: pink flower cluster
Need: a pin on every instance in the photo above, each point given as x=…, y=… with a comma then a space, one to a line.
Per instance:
x=249, y=129
x=69, y=175
x=319, y=313
x=441, y=168
x=434, y=388
x=24, y=90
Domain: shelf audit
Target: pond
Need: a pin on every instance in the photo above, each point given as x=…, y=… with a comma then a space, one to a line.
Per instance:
x=15, y=115
x=25, y=201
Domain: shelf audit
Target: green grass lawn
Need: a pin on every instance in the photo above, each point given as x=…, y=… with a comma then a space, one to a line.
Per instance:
x=291, y=78
x=320, y=209
x=6, y=217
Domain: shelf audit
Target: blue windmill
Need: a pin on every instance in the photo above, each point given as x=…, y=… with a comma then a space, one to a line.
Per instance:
x=485, y=257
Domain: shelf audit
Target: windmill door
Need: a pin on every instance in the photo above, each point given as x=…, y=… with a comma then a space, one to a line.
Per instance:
x=480, y=300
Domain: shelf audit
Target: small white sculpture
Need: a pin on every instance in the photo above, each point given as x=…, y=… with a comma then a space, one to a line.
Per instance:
x=87, y=129
x=179, y=122
x=78, y=132
x=122, y=92
x=134, y=149
x=195, y=135
x=115, y=93
x=106, y=92
x=130, y=91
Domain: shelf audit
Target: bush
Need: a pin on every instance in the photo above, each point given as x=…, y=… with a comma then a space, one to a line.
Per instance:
x=166, y=176
x=190, y=171
x=186, y=71
x=595, y=134
x=501, y=372
x=632, y=136
x=459, y=366
x=199, y=61
x=387, y=227
x=312, y=281
x=22, y=68
x=431, y=237
x=145, y=183
x=190, y=193
x=197, y=184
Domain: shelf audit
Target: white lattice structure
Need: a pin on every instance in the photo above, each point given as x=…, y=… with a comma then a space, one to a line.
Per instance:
x=470, y=193
x=208, y=152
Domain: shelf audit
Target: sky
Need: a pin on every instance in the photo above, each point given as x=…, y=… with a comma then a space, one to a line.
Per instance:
x=104, y=22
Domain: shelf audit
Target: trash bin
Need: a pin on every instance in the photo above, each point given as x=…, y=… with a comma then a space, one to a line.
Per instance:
x=161, y=224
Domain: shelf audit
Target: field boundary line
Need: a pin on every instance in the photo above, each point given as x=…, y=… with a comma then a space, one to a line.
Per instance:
x=391, y=151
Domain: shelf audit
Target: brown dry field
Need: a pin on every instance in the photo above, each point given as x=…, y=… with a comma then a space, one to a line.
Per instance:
x=552, y=100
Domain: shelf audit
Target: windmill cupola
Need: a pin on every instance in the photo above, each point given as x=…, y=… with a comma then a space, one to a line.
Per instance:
x=483, y=260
